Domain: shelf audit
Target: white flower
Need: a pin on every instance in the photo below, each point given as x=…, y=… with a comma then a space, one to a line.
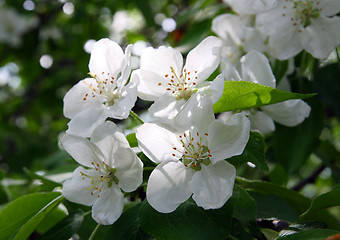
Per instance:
x=306, y=24
x=191, y=160
x=163, y=79
x=106, y=94
x=250, y=7
x=110, y=164
x=255, y=68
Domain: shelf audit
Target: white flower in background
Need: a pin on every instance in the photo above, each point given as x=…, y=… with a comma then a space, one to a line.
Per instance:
x=250, y=7
x=13, y=26
x=163, y=79
x=111, y=165
x=191, y=160
x=294, y=25
x=106, y=94
x=255, y=68
x=239, y=37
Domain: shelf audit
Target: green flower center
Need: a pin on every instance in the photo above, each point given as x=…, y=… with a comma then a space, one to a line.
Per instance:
x=306, y=10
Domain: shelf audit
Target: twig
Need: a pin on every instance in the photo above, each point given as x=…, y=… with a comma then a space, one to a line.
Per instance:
x=310, y=179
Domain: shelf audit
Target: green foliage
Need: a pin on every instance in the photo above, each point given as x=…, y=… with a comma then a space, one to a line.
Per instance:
x=240, y=95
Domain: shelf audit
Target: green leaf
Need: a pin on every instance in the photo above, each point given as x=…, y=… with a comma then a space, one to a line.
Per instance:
x=66, y=228
x=187, y=222
x=245, y=208
x=132, y=140
x=239, y=95
x=328, y=87
x=21, y=210
x=278, y=175
x=313, y=234
x=280, y=69
x=127, y=227
x=326, y=200
x=294, y=145
x=27, y=229
x=253, y=152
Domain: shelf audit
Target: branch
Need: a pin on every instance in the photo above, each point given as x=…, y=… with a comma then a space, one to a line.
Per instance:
x=310, y=179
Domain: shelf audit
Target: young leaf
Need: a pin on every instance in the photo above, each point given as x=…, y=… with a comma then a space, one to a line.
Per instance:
x=313, y=234
x=187, y=222
x=21, y=210
x=239, y=95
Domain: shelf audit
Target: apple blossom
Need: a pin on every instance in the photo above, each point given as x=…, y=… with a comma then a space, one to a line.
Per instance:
x=107, y=94
x=294, y=25
x=255, y=68
x=191, y=159
x=163, y=79
x=250, y=7
x=111, y=165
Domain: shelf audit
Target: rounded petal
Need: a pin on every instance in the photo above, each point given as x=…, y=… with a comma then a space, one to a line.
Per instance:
x=330, y=7
x=77, y=189
x=74, y=102
x=289, y=113
x=197, y=113
x=86, y=121
x=149, y=84
x=82, y=150
x=129, y=169
x=106, y=56
x=157, y=143
x=160, y=60
x=204, y=58
x=126, y=101
x=322, y=36
x=256, y=68
x=213, y=89
x=109, y=206
x=212, y=186
x=259, y=121
x=227, y=139
x=108, y=138
x=250, y=7
x=168, y=186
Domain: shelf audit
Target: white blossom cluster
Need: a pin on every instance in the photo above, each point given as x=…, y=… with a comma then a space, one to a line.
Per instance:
x=187, y=144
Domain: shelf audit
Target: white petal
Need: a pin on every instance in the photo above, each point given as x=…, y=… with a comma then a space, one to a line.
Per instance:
x=129, y=169
x=86, y=121
x=126, y=101
x=256, y=68
x=259, y=121
x=74, y=102
x=149, y=84
x=212, y=186
x=229, y=71
x=289, y=113
x=109, y=206
x=160, y=60
x=168, y=186
x=157, y=143
x=82, y=150
x=322, y=36
x=228, y=139
x=77, y=189
x=213, y=89
x=329, y=7
x=204, y=58
x=106, y=56
x=198, y=113
x=164, y=109
x=126, y=70
x=251, y=7
x=108, y=138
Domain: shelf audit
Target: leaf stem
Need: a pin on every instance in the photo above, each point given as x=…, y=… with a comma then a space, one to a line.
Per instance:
x=136, y=117
x=94, y=232
x=148, y=168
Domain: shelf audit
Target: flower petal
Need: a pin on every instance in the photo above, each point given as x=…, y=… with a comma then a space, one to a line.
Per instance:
x=204, y=58
x=82, y=150
x=213, y=89
x=126, y=70
x=77, y=189
x=74, y=102
x=157, y=143
x=108, y=138
x=289, y=113
x=250, y=7
x=256, y=68
x=168, y=186
x=129, y=169
x=259, y=121
x=109, y=206
x=106, y=56
x=86, y=121
x=228, y=139
x=212, y=186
